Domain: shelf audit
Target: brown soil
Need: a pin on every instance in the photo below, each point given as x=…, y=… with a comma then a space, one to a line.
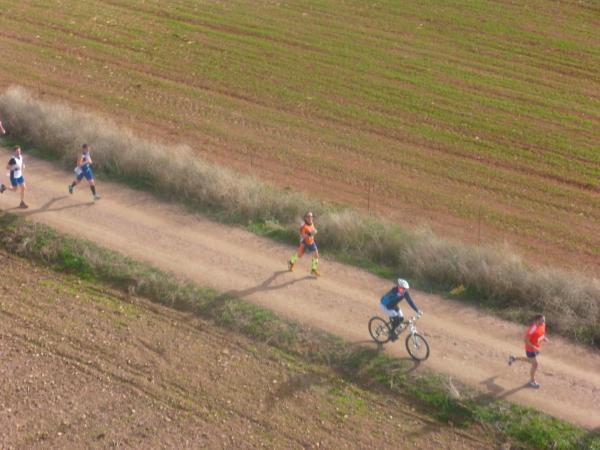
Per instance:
x=466, y=343
x=83, y=366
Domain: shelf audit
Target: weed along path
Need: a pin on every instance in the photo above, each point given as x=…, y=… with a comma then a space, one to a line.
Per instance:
x=467, y=344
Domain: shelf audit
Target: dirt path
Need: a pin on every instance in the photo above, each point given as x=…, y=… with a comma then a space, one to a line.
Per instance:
x=466, y=344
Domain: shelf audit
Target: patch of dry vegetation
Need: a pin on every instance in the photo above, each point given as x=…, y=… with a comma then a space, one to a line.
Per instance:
x=493, y=277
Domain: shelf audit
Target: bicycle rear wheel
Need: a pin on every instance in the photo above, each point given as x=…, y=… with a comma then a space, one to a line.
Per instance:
x=379, y=330
x=417, y=347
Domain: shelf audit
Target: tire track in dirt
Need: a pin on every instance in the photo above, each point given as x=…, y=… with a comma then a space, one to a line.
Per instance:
x=467, y=344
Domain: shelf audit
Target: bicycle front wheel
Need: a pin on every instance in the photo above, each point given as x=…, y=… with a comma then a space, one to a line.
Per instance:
x=379, y=330
x=417, y=347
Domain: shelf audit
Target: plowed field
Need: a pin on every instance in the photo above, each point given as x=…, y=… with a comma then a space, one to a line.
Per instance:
x=478, y=119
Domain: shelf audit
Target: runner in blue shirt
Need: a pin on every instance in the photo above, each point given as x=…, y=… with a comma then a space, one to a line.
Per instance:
x=84, y=169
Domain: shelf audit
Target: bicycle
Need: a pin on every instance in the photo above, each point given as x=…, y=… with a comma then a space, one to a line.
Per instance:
x=416, y=345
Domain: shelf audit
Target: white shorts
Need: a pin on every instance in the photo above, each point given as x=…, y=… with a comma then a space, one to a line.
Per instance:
x=391, y=312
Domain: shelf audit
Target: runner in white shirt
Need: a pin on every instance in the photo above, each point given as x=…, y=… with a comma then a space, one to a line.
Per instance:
x=16, y=167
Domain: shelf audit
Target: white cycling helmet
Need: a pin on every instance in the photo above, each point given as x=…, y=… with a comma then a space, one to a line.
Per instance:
x=403, y=283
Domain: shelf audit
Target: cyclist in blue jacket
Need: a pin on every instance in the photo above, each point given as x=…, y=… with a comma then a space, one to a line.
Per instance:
x=389, y=304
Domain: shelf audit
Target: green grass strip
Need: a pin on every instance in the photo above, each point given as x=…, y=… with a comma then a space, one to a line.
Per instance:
x=369, y=367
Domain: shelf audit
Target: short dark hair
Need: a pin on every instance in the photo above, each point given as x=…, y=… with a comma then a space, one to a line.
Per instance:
x=84, y=146
x=539, y=317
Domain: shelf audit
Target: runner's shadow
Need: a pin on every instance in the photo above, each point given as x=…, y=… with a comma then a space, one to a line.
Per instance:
x=494, y=392
x=46, y=207
x=497, y=391
x=267, y=285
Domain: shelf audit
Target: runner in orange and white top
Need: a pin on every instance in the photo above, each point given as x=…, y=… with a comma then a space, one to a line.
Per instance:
x=307, y=243
x=536, y=334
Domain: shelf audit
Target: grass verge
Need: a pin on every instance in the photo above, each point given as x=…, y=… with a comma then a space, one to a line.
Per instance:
x=432, y=393
x=493, y=277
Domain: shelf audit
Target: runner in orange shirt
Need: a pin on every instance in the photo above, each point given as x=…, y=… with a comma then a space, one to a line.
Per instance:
x=307, y=243
x=536, y=334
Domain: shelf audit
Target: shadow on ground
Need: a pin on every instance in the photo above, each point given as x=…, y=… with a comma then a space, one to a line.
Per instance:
x=268, y=285
x=46, y=207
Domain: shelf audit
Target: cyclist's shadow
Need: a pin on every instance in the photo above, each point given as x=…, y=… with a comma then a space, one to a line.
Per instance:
x=403, y=364
x=267, y=285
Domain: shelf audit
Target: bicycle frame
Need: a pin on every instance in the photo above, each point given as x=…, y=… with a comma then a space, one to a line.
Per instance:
x=410, y=324
x=416, y=344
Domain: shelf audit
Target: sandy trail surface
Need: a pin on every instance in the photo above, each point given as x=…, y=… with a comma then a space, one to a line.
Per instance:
x=466, y=344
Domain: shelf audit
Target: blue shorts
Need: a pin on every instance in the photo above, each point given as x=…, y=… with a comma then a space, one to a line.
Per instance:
x=86, y=172
x=531, y=354
x=16, y=181
x=309, y=248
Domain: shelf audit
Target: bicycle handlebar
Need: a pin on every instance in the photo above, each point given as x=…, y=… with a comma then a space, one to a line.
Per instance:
x=415, y=317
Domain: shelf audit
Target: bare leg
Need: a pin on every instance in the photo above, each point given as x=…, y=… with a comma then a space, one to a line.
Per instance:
x=532, y=361
x=93, y=188
x=315, y=264
x=534, y=366
x=22, y=195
